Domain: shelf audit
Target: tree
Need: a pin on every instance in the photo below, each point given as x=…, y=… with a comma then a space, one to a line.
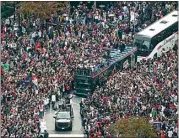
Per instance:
x=7, y=9
x=133, y=127
x=42, y=10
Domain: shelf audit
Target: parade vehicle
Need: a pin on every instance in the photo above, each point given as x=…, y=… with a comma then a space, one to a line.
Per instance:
x=64, y=118
x=88, y=78
x=161, y=36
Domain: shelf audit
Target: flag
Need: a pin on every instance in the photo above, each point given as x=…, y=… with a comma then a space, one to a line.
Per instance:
x=2, y=35
x=38, y=46
x=6, y=67
x=24, y=57
x=27, y=81
x=34, y=80
x=2, y=71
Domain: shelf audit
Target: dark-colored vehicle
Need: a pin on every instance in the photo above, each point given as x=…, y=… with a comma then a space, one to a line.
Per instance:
x=63, y=121
x=88, y=78
x=66, y=106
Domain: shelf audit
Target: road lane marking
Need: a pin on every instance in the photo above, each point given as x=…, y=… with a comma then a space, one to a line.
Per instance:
x=66, y=135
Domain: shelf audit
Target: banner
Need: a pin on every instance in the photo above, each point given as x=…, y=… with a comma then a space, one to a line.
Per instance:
x=6, y=67
x=27, y=81
x=34, y=80
x=126, y=64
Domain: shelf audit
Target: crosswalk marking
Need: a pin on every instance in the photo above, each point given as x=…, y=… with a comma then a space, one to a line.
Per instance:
x=66, y=135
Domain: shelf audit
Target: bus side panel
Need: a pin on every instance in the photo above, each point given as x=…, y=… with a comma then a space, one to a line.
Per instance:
x=165, y=45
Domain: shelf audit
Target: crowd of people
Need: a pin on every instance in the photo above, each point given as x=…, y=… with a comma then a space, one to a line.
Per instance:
x=39, y=61
x=150, y=89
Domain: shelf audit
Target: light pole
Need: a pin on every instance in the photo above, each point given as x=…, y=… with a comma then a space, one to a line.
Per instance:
x=14, y=10
x=129, y=14
x=134, y=22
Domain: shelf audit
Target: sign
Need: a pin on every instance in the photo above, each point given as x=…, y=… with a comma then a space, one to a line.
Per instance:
x=169, y=39
x=126, y=64
x=27, y=81
x=132, y=60
x=6, y=67
x=158, y=125
x=53, y=98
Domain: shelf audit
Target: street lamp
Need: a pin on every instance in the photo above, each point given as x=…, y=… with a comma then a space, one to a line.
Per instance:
x=14, y=10
x=134, y=22
x=129, y=14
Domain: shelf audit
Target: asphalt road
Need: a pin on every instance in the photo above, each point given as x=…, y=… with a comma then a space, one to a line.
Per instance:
x=77, y=124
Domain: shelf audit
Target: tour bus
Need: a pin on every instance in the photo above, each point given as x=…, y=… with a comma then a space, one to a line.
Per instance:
x=86, y=79
x=159, y=37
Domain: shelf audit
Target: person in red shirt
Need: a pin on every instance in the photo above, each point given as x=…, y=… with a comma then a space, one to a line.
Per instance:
x=38, y=46
x=2, y=72
x=67, y=89
x=162, y=134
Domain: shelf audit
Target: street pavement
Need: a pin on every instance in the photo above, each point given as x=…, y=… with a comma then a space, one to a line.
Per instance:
x=77, y=123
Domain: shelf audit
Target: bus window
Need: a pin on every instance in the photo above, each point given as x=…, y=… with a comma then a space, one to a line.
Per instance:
x=143, y=45
x=163, y=35
x=85, y=73
x=81, y=81
x=88, y=72
x=77, y=71
x=80, y=72
x=172, y=29
x=83, y=86
x=146, y=44
x=154, y=42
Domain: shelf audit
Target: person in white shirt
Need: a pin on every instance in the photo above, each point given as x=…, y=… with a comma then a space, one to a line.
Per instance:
x=53, y=100
x=59, y=94
x=170, y=133
x=46, y=103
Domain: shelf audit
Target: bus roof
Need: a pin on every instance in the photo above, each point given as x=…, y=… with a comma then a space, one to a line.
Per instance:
x=160, y=25
x=117, y=56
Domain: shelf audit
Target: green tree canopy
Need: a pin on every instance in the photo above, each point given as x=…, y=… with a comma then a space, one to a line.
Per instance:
x=7, y=9
x=133, y=127
x=42, y=10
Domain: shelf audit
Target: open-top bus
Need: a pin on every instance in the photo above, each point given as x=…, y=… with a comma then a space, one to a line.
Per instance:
x=159, y=37
x=87, y=78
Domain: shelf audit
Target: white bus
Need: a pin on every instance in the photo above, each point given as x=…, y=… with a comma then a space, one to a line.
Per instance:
x=159, y=37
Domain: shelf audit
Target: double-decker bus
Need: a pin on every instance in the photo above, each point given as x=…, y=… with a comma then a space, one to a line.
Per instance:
x=88, y=77
x=161, y=36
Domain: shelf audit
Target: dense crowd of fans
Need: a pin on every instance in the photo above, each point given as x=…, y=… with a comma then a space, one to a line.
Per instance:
x=149, y=89
x=39, y=61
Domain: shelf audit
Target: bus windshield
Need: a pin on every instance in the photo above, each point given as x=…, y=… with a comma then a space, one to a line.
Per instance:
x=142, y=45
